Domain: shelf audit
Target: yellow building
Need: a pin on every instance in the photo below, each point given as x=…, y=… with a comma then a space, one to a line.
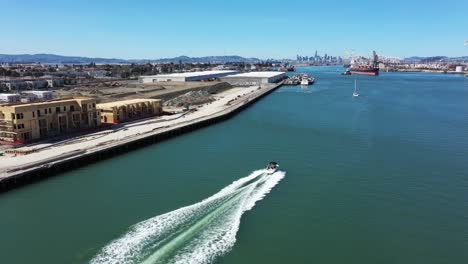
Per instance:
x=127, y=110
x=20, y=122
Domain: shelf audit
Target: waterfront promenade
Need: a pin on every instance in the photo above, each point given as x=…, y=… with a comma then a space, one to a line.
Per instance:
x=43, y=156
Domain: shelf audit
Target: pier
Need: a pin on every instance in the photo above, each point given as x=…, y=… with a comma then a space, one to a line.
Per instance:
x=40, y=161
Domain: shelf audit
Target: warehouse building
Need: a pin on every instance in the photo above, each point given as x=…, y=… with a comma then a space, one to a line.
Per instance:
x=185, y=76
x=128, y=110
x=254, y=78
x=20, y=123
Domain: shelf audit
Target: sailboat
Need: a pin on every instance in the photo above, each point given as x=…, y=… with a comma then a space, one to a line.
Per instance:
x=355, y=93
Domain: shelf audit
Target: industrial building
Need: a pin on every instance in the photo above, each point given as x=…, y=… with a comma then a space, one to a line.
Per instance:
x=128, y=110
x=20, y=123
x=26, y=97
x=185, y=76
x=41, y=95
x=254, y=78
x=20, y=84
x=9, y=98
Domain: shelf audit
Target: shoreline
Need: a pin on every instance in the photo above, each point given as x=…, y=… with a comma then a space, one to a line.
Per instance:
x=18, y=173
x=398, y=70
x=428, y=71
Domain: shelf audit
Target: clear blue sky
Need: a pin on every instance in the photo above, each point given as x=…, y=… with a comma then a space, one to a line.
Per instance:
x=143, y=29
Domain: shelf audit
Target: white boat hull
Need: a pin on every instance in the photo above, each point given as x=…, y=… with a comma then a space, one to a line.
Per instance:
x=271, y=168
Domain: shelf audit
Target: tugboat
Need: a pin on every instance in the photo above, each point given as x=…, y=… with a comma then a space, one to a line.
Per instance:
x=347, y=72
x=271, y=168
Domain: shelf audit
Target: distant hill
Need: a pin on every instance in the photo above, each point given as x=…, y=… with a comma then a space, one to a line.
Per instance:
x=436, y=59
x=212, y=59
x=52, y=58
x=58, y=59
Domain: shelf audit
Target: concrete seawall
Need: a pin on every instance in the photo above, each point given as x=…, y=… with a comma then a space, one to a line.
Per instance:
x=49, y=168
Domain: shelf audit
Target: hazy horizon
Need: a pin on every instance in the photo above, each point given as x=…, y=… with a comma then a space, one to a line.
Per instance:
x=184, y=55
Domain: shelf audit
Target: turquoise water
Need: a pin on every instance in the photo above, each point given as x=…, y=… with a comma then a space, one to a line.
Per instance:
x=382, y=178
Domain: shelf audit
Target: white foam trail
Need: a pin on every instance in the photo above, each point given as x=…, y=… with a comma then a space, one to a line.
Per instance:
x=193, y=234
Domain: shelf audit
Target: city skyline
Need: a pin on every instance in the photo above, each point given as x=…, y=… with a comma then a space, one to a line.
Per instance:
x=261, y=29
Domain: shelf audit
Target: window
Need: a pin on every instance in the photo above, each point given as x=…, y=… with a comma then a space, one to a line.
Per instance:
x=64, y=108
x=34, y=114
x=72, y=108
x=20, y=126
x=57, y=109
x=38, y=112
x=50, y=110
x=13, y=116
x=94, y=105
x=19, y=116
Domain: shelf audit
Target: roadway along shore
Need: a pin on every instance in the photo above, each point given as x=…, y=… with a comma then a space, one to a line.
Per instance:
x=47, y=158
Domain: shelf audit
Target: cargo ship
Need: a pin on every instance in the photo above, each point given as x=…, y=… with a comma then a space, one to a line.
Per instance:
x=372, y=69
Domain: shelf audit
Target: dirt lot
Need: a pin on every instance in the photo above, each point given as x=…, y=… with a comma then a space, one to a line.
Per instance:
x=114, y=91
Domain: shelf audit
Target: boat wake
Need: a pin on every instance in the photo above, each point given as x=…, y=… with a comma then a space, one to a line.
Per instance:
x=193, y=234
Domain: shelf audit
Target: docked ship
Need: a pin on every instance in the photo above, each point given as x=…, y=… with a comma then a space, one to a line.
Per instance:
x=289, y=68
x=366, y=69
x=300, y=79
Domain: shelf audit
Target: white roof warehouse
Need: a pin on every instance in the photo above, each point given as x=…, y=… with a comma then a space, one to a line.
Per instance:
x=185, y=77
x=254, y=78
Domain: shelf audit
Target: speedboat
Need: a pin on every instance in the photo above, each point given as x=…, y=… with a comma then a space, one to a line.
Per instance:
x=272, y=168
